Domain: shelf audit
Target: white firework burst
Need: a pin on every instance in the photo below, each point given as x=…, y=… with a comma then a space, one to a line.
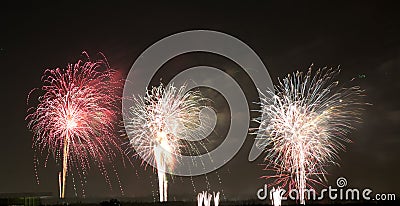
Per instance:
x=304, y=126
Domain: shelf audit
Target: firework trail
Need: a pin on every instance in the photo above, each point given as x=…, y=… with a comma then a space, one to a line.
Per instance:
x=304, y=126
x=159, y=123
x=74, y=119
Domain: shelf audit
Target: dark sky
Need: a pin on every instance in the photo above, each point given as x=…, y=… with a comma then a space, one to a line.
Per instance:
x=363, y=37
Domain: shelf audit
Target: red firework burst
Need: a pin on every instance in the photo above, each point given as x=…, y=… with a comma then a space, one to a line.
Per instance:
x=75, y=117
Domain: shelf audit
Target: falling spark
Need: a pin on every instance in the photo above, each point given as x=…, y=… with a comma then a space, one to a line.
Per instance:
x=304, y=127
x=74, y=119
x=159, y=124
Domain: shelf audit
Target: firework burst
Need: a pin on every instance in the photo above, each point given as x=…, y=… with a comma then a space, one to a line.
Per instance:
x=74, y=119
x=304, y=126
x=159, y=123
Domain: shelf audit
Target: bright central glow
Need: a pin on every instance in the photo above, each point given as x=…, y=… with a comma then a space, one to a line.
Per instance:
x=163, y=141
x=71, y=124
x=161, y=135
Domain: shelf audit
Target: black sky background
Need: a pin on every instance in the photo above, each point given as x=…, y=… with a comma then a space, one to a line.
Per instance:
x=363, y=37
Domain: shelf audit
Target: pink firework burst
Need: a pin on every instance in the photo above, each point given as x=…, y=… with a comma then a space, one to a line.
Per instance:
x=75, y=117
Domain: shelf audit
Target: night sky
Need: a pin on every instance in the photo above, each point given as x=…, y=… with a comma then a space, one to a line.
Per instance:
x=361, y=37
